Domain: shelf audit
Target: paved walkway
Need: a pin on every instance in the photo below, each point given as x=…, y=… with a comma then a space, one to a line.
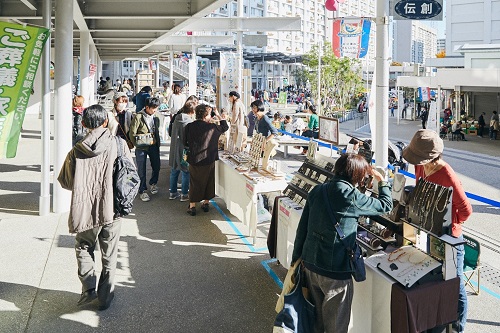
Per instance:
x=176, y=273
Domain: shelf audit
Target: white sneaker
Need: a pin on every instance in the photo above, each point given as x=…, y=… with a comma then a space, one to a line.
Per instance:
x=154, y=189
x=144, y=196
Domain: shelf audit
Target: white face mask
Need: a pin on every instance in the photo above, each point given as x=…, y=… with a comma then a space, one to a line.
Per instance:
x=121, y=106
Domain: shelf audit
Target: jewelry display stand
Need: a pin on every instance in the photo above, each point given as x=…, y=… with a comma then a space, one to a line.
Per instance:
x=408, y=265
x=311, y=173
x=429, y=207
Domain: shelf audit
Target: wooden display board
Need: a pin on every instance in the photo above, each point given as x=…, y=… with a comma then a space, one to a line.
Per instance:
x=329, y=130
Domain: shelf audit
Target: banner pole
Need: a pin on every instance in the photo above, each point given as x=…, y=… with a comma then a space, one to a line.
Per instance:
x=44, y=199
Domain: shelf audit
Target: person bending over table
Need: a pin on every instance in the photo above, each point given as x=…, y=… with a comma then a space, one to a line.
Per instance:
x=312, y=130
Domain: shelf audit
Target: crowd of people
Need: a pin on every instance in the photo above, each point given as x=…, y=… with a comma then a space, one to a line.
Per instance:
x=195, y=133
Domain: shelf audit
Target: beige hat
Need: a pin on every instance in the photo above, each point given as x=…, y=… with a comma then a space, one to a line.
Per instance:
x=118, y=95
x=425, y=146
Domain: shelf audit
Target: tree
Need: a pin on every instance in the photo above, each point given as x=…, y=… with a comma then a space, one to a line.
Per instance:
x=301, y=76
x=341, y=80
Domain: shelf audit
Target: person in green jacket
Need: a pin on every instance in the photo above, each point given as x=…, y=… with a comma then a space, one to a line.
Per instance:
x=325, y=259
x=312, y=129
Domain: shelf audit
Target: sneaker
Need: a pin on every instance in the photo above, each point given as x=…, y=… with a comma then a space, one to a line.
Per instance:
x=184, y=197
x=144, y=196
x=87, y=297
x=173, y=196
x=154, y=189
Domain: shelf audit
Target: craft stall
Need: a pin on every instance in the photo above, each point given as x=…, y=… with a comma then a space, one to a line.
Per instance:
x=411, y=283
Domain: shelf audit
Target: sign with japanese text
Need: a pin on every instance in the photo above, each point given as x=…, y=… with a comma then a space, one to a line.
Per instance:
x=351, y=37
x=228, y=76
x=20, y=52
x=417, y=10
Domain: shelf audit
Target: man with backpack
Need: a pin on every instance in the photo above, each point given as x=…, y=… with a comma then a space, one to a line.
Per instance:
x=92, y=213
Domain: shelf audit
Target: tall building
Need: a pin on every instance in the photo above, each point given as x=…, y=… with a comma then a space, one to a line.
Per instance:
x=471, y=22
x=441, y=44
x=413, y=41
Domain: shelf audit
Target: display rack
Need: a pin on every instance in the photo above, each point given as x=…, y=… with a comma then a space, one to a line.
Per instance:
x=311, y=173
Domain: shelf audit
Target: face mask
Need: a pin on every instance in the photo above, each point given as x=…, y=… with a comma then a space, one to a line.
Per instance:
x=121, y=106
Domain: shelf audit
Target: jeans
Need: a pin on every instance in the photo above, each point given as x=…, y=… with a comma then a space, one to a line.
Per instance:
x=493, y=133
x=154, y=159
x=462, y=298
x=174, y=176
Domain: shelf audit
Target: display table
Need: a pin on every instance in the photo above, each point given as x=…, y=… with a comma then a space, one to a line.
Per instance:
x=240, y=193
x=289, y=141
x=380, y=304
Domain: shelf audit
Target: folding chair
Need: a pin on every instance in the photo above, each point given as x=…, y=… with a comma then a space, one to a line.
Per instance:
x=471, y=263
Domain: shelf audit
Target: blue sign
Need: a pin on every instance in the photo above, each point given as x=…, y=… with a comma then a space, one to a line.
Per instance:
x=418, y=9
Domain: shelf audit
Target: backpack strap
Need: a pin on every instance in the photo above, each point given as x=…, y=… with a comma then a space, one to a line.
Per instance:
x=119, y=146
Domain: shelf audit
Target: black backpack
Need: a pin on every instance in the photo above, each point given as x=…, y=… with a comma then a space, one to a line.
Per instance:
x=78, y=129
x=126, y=182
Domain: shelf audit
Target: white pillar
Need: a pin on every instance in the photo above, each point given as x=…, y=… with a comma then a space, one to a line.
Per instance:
x=239, y=50
x=63, y=89
x=99, y=66
x=158, y=81
x=382, y=84
x=93, y=79
x=320, y=54
x=171, y=66
x=44, y=199
x=84, y=66
x=193, y=64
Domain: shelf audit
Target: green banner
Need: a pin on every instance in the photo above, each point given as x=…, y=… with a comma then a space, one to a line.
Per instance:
x=20, y=52
x=282, y=98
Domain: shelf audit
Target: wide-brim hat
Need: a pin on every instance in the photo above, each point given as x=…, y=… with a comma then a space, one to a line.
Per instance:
x=425, y=146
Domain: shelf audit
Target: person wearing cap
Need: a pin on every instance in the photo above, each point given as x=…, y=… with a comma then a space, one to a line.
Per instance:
x=120, y=117
x=425, y=153
x=237, y=120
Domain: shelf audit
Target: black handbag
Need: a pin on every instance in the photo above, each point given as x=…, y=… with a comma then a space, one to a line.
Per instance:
x=298, y=314
x=356, y=260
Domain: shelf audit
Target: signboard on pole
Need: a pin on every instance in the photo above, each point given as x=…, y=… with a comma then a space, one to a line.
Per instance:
x=416, y=9
x=424, y=94
x=351, y=37
x=20, y=51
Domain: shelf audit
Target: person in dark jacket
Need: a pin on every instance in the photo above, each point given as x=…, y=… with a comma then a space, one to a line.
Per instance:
x=140, y=99
x=480, y=125
x=202, y=138
x=326, y=262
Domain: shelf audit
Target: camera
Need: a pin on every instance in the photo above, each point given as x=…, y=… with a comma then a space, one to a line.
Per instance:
x=212, y=114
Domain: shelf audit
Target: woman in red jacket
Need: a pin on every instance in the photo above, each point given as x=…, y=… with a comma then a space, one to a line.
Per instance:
x=425, y=152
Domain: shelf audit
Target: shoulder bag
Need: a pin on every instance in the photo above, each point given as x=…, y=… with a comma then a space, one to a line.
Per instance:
x=130, y=145
x=355, y=255
x=144, y=140
x=298, y=314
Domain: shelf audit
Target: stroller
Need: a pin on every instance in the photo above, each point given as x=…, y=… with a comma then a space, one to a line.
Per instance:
x=395, y=157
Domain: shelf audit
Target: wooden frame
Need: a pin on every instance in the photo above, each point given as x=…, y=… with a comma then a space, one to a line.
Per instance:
x=329, y=130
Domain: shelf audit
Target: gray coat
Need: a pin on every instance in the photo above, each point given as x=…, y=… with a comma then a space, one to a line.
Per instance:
x=176, y=143
x=88, y=173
